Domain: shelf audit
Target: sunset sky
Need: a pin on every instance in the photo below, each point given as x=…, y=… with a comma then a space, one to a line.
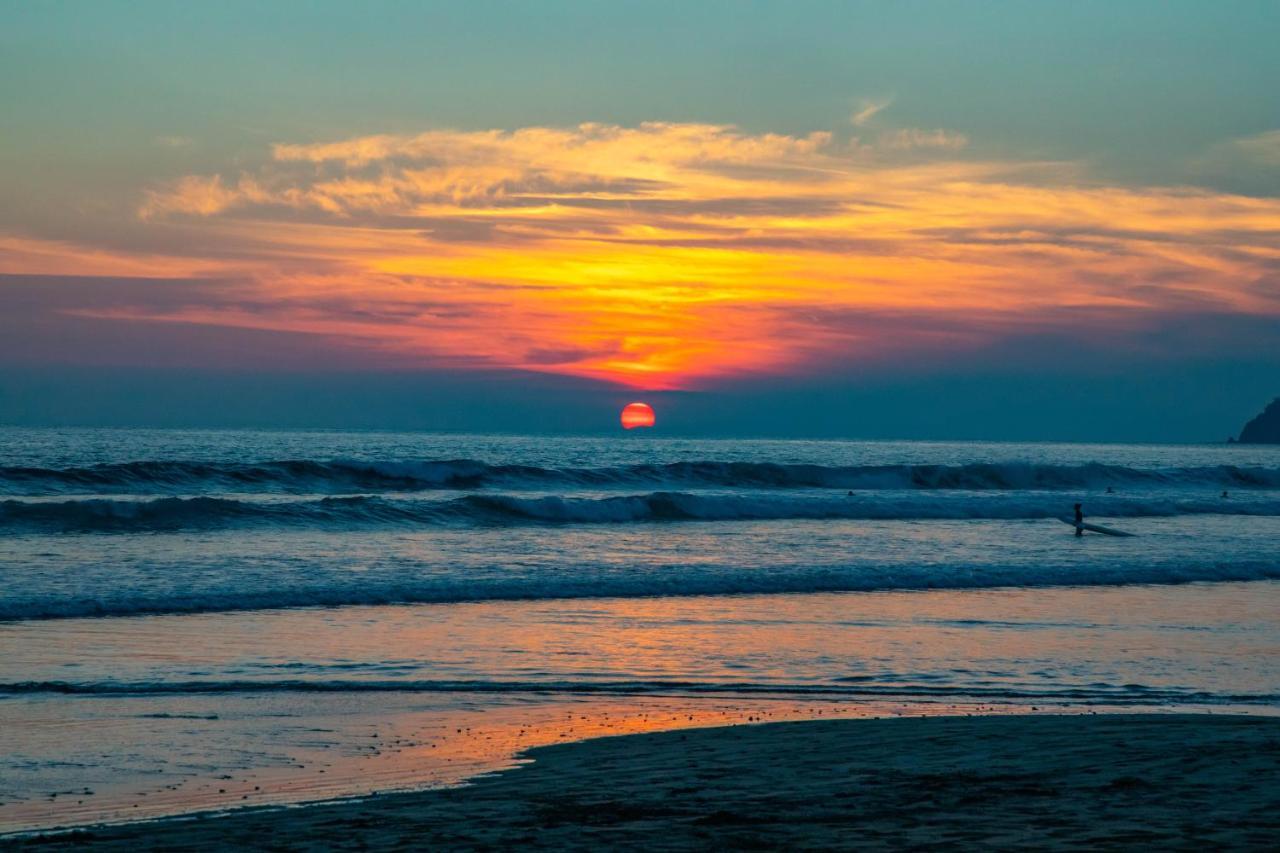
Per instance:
x=1005, y=220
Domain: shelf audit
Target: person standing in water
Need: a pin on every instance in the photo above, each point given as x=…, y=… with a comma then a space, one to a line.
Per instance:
x=1079, y=520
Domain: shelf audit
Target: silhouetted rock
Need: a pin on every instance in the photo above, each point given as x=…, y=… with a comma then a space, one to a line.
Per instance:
x=1265, y=428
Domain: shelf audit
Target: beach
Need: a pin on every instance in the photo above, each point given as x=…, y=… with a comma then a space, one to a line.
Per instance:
x=1186, y=781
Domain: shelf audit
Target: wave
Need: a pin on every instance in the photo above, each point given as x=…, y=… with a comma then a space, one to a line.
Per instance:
x=586, y=582
x=1093, y=693
x=199, y=513
x=349, y=477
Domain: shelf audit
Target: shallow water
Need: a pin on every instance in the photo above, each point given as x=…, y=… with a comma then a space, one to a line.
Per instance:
x=108, y=719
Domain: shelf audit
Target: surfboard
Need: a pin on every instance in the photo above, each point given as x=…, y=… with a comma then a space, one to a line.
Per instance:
x=1095, y=528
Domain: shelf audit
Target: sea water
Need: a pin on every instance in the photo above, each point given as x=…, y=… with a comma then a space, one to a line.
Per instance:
x=195, y=620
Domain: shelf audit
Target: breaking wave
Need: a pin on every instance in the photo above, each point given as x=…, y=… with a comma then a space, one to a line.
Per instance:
x=197, y=513
x=588, y=582
x=351, y=477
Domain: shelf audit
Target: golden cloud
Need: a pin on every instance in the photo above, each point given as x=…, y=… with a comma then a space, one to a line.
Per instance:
x=665, y=253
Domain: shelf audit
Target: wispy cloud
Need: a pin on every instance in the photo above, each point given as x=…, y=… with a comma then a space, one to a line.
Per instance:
x=1263, y=148
x=911, y=138
x=869, y=109
x=1249, y=163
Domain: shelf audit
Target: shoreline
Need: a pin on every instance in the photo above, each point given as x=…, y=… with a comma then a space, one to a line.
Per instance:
x=1049, y=781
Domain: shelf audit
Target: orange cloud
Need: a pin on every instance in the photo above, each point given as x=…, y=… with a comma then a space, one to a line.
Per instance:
x=665, y=254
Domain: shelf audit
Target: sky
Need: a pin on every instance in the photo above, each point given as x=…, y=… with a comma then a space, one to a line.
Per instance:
x=873, y=220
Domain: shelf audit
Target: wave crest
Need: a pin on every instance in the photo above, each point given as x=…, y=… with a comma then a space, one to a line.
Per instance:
x=346, y=476
x=196, y=513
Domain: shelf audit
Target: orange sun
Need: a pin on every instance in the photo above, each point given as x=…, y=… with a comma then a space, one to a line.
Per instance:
x=637, y=415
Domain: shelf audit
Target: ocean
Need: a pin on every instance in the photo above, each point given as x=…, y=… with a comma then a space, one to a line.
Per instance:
x=201, y=620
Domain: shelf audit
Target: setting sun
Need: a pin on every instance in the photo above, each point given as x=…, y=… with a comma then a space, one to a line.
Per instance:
x=637, y=415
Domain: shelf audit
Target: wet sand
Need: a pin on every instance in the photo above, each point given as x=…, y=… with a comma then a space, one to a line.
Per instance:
x=1044, y=782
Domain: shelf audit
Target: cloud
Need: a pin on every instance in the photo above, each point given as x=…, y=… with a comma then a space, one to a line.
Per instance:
x=867, y=110
x=911, y=138
x=1261, y=148
x=33, y=256
x=174, y=141
x=1248, y=164
x=197, y=194
x=672, y=255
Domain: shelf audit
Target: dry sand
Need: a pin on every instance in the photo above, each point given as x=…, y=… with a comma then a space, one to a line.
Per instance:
x=1042, y=782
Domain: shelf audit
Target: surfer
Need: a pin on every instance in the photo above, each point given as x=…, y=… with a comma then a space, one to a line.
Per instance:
x=1079, y=520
